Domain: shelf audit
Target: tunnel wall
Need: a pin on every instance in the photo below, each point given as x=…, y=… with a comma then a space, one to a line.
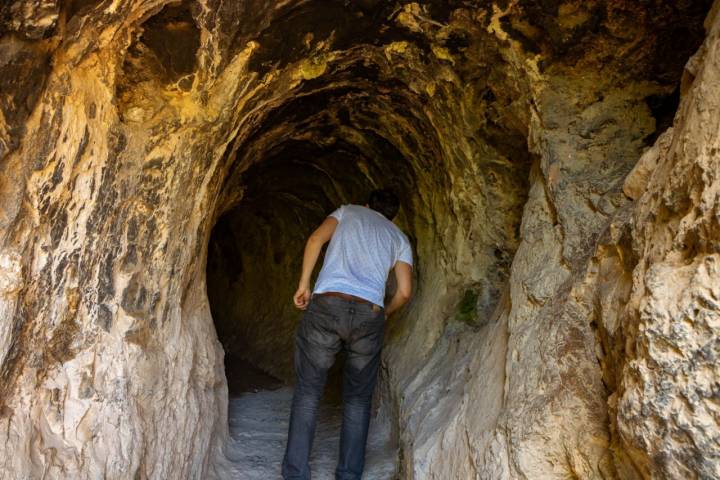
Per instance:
x=111, y=347
x=123, y=156
x=508, y=400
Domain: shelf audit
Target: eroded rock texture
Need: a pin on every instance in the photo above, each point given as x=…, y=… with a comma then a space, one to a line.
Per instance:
x=565, y=321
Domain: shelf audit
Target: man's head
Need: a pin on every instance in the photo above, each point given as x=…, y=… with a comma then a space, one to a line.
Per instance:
x=384, y=201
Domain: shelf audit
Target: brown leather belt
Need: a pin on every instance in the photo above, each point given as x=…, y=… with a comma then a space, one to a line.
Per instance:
x=347, y=296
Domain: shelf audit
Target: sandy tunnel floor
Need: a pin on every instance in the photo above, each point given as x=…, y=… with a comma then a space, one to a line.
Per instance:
x=258, y=429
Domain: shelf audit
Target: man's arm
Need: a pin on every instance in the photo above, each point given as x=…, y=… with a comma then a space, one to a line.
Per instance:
x=312, y=251
x=403, y=276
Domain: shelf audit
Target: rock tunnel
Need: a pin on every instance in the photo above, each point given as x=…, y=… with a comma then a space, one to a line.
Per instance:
x=162, y=163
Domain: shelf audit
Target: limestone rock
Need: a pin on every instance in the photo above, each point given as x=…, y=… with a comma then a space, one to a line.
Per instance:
x=161, y=163
x=638, y=178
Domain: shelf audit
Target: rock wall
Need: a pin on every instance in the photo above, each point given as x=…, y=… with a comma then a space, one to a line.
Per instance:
x=658, y=324
x=530, y=393
x=565, y=317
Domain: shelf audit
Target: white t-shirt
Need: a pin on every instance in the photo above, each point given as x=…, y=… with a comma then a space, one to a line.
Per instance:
x=362, y=251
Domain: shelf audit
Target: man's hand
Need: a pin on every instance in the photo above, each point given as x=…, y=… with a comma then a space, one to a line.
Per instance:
x=302, y=297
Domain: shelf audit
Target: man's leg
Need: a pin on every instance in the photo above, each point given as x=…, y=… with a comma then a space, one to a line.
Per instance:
x=316, y=344
x=361, y=368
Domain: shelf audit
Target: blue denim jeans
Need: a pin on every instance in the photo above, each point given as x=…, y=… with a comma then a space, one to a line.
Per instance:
x=329, y=325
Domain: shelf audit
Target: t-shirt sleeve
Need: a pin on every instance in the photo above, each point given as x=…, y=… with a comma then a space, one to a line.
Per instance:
x=338, y=214
x=405, y=254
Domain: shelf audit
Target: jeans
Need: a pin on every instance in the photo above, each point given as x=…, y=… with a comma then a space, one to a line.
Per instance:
x=329, y=325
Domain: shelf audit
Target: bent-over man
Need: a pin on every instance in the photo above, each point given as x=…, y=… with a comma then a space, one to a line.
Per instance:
x=345, y=311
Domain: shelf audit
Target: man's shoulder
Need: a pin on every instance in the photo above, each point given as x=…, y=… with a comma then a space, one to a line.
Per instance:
x=403, y=237
x=398, y=234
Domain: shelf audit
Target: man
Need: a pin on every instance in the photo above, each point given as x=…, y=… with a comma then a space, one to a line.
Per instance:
x=345, y=311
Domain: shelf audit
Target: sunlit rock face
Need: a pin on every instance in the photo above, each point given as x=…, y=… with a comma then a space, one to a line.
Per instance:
x=161, y=161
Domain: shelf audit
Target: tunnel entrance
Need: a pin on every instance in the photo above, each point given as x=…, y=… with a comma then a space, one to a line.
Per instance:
x=462, y=184
x=556, y=201
x=254, y=261
x=255, y=250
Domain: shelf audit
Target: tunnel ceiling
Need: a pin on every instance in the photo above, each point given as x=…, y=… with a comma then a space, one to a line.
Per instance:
x=437, y=87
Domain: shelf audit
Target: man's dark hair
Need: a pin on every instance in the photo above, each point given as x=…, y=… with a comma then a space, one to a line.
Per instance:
x=384, y=201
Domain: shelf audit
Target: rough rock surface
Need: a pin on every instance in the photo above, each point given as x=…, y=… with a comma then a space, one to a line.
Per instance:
x=565, y=322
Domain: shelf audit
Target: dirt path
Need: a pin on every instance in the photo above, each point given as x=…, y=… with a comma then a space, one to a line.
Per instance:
x=258, y=427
